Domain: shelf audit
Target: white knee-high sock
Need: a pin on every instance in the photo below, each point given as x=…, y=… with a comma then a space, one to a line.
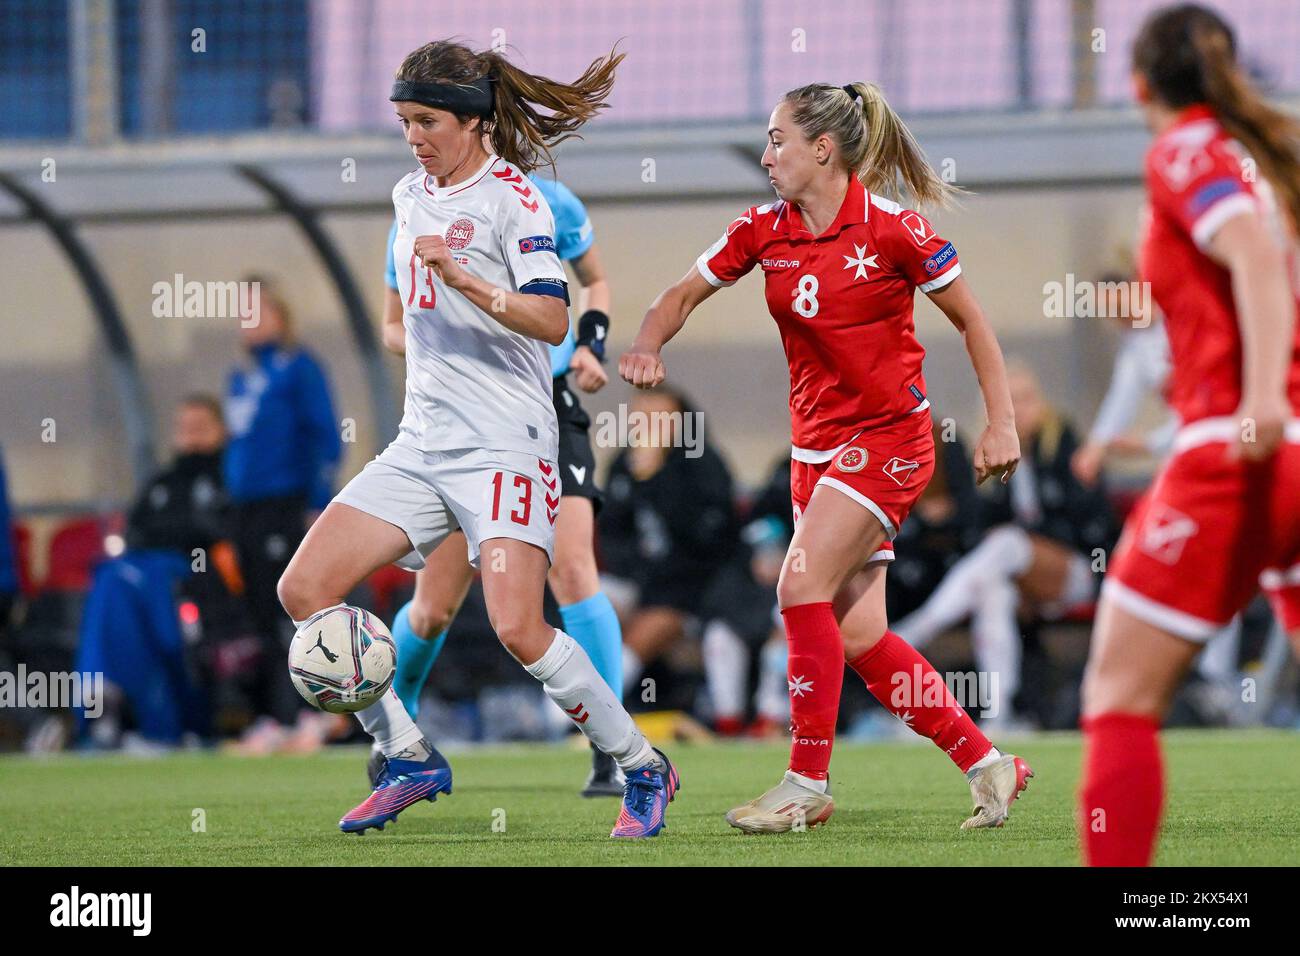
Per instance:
x=996, y=639
x=1004, y=554
x=394, y=731
x=726, y=666
x=570, y=679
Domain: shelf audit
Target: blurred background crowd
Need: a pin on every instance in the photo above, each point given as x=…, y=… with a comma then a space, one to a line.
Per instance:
x=157, y=471
x=173, y=599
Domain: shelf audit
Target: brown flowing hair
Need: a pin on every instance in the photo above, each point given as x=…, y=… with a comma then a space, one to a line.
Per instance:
x=519, y=131
x=1188, y=55
x=876, y=144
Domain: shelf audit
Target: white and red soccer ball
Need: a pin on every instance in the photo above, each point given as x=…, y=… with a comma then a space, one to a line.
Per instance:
x=342, y=659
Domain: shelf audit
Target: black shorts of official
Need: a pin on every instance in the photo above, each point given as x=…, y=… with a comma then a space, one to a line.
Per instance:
x=577, y=463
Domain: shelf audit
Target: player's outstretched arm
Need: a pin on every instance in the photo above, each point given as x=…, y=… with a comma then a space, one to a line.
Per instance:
x=1266, y=315
x=394, y=332
x=641, y=364
x=998, y=450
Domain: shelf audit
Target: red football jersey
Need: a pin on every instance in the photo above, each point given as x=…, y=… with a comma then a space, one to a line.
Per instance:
x=1197, y=180
x=843, y=304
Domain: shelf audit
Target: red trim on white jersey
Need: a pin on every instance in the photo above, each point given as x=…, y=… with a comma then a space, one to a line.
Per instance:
x=436, y=191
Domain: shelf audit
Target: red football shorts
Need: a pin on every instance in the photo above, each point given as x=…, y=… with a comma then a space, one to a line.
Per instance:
x=884, y=469
x=1209, y=533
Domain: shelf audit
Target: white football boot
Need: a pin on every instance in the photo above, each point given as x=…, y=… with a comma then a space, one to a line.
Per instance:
x=787, y=806
x=994, y=789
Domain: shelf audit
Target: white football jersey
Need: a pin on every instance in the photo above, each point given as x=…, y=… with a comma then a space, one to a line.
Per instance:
x=470, y=381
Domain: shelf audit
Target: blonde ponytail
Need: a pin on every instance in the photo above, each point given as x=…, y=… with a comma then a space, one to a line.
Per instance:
x=875, y=143
x=892, y=152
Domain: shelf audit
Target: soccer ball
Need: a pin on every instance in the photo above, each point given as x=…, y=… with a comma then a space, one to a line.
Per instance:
x=342, y=659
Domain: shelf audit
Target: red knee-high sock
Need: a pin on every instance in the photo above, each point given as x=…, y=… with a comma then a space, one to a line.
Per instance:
x=815, y=671
x=910, y=688
x=1122, y=791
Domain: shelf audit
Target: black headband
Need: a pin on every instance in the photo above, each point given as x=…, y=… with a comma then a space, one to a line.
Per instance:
x=463, y=99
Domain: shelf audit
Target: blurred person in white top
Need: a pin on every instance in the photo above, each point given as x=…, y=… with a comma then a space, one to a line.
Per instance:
x=1140, y=370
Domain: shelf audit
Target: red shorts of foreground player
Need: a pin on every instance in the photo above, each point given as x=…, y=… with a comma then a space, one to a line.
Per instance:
x=1210, y=533
x=884, y=470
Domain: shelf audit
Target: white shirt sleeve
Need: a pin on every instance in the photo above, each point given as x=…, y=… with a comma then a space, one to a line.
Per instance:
x=528, y=245
x=1141, y=366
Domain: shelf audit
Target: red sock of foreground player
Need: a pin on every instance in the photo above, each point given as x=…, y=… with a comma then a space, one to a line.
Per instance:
x=910, y=688
x=815, y=672
x=1122, y=790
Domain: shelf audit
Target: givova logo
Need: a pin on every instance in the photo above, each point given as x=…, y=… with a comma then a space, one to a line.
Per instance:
x=75, y=908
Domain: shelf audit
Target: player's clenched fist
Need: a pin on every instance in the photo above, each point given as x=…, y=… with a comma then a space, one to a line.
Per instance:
x=1262, y=428
x=433, y=252
x=641, y=367
x=996, y=453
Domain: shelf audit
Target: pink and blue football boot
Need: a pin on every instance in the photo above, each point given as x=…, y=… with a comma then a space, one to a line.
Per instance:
x=400, y=784
x=646, y=795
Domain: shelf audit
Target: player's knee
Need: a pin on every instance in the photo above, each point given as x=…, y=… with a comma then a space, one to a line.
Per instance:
x=573, y=578
x=857, y=643
x=796, y=587
x=429, y=620
x=294, y=595
x=521, y=637
x=1109, y=686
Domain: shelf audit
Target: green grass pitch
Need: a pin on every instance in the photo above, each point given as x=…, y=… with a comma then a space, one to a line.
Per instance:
x=1235, y=799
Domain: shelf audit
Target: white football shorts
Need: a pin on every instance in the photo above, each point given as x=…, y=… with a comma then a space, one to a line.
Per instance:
x=430, y=494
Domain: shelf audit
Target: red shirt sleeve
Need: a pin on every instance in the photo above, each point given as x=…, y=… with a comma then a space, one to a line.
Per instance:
x=916, y=251
x=1199, y=186
x=733, y=254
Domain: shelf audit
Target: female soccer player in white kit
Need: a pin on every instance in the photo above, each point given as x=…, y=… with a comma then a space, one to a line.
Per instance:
x=483, y=294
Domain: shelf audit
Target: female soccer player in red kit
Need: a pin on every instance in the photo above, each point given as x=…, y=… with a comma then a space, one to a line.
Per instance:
x=841, y=265
x=1223, y=516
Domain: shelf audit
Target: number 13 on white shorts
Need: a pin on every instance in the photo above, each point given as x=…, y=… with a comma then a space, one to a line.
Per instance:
x=522, y=504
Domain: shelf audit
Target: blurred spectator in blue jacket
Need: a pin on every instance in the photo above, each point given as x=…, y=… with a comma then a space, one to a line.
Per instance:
x=279, y=471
